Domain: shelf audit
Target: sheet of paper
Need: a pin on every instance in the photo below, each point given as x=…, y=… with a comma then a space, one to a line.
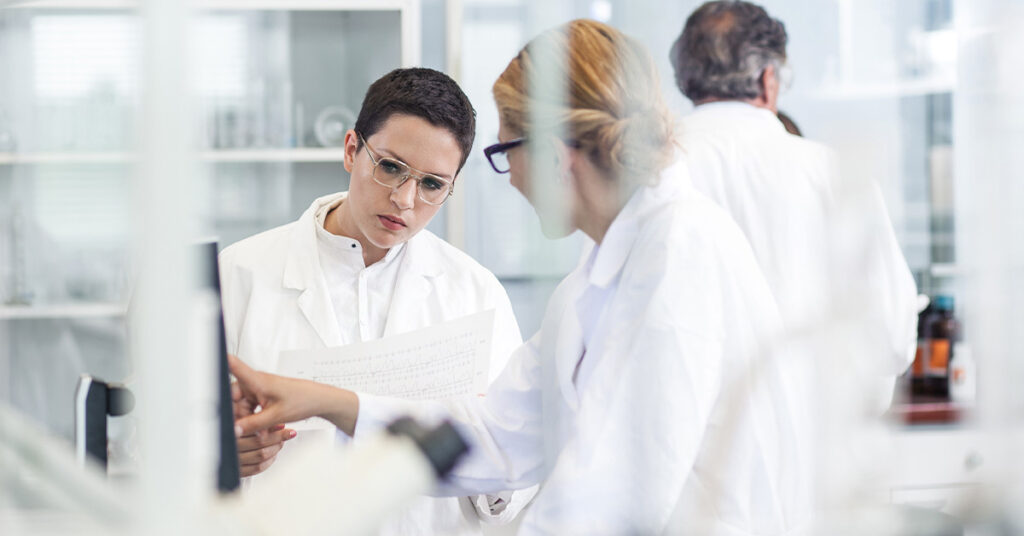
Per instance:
x=442, y=361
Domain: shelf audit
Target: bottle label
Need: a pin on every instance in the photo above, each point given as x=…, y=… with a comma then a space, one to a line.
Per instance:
x=938, y=361
x=917, y=370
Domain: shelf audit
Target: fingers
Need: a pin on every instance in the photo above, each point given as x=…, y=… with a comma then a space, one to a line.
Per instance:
x=281, y=399
x=257, y=452
x=241, y=371
x=243, y=407
x=266, y=438
x=250, y=424
x=244, y=391
x=255, y=469
x=256, y=457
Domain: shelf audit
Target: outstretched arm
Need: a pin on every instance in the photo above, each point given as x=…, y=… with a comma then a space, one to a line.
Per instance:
x=285, y=400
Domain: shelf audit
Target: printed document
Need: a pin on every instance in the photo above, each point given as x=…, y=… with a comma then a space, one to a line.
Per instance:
x=442, y=361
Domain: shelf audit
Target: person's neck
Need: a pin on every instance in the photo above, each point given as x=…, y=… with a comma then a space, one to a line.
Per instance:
x=339, y=222
x=600, y=210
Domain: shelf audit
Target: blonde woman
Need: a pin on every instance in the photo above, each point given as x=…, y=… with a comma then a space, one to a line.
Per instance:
x=634, y=400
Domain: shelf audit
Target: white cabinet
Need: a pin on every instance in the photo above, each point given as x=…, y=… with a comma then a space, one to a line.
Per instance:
x=937, y=468
x=70, y=105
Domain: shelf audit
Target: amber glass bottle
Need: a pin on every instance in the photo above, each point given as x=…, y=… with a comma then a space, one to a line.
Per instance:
x=941, y=331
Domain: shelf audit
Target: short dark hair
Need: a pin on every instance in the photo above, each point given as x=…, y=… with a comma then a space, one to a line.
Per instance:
x=724, y=48
x=425, y=93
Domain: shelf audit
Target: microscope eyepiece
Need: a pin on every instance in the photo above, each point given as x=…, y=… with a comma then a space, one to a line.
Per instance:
x=442, y=445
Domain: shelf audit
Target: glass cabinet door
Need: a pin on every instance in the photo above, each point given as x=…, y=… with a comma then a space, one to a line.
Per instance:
x=69, y=95
x=275, y=87
x=279, y=89
x=880, y=93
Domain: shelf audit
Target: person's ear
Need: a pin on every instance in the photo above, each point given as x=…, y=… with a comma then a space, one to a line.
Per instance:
x=351, y=149
x=564, y=156
x=770, y=88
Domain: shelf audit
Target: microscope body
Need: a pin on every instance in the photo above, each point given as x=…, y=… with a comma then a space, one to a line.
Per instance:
x=96, y=399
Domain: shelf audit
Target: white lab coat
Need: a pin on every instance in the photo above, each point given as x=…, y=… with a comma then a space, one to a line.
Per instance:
x=677, y=405
x=824, y=242
x=275, y=299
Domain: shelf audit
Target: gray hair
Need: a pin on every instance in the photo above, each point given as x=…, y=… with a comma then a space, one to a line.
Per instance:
x=724, y=48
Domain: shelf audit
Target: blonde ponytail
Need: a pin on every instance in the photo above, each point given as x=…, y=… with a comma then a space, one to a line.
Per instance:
x=613, y=109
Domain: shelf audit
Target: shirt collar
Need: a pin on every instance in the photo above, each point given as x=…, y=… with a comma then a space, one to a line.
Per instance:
x=301, y=270
x=347, y=243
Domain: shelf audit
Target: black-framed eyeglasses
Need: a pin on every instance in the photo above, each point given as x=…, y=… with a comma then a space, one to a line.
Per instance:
x=392, y=173
x=497, y=154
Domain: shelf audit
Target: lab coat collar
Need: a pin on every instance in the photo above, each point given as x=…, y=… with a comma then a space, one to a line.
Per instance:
x=320, y=219
x=418, y=275
x=740, y=110
x=602, y=267
x=302, y=272
x=302, y=267
x=610, y=256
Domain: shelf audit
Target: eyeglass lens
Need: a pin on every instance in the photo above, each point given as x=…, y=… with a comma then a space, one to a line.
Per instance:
x=393, y=173
x=499, y=160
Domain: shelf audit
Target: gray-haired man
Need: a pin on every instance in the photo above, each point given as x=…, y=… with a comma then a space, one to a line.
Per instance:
x=825, y=244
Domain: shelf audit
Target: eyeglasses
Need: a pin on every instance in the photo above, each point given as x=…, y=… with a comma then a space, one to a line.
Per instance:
x=392, y=173
x=497, y=154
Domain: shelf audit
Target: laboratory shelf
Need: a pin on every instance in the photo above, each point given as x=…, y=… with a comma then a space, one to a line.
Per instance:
x=275, y=155
x=931, y=412
x=946, y=269
x=882, y=90
x=64, y=158
x=317, y=154
x=65, y=310
x=289, y=5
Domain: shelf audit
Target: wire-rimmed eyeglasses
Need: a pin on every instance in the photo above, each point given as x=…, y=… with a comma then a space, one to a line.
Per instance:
x=392, y=173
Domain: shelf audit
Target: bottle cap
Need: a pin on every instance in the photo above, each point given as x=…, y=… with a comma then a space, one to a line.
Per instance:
x=944, y=302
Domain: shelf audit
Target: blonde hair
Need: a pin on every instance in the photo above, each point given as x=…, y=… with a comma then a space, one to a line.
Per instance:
x=612, y=106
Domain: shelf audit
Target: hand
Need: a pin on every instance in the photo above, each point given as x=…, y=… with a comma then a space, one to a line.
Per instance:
x=284, y=400
x=280, y=399
x=257, y=452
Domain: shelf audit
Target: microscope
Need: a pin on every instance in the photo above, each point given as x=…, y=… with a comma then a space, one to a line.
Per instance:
x=95, y=400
